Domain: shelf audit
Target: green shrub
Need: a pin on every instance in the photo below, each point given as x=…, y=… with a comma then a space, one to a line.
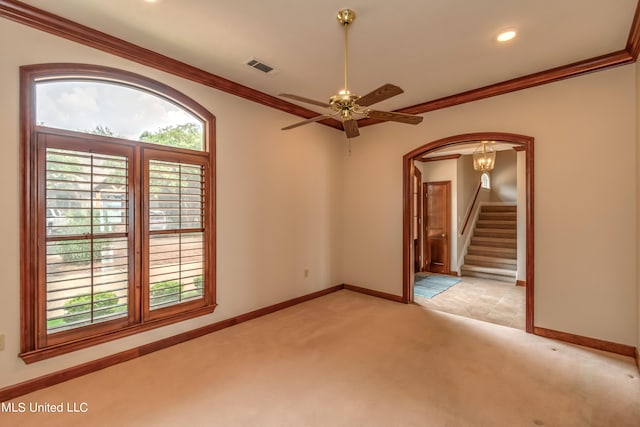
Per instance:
x=172, y=291
x=198, y=290
x=103, y=304
x=78, y=250
x=194, y=293
x=164, y=292
x=198, y=282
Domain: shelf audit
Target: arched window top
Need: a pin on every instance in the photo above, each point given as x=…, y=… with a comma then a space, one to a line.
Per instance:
x=486, y=180
x=110, y=102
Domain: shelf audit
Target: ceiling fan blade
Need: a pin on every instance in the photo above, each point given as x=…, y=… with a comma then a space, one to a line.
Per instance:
x=380, y=94
x=303, y=99
x=351, y=128
x=395, y=117
x=306, y=122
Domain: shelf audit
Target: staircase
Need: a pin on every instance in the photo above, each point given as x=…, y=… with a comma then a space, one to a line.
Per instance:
x=492, y=251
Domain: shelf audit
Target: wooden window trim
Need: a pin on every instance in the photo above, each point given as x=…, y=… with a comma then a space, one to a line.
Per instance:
x=45, y=138
x=148, y=156
x=31, y=348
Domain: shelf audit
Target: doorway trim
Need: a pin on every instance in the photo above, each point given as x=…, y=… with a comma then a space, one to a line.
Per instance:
x=417, y=219
x=407, y=204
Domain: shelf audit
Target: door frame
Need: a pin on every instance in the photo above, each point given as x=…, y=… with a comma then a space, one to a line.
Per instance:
x=425, y=247
x=418, y=222
x=526, y=142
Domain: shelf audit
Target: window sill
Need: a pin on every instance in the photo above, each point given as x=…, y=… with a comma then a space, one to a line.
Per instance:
x=56, y=350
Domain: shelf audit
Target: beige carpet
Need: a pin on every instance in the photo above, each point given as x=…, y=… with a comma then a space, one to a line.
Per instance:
x=482, y=299
x=348, y=359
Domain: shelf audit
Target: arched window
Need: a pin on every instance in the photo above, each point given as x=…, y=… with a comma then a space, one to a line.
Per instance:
x=114, y=109
x=118, y=207
x=486, y=180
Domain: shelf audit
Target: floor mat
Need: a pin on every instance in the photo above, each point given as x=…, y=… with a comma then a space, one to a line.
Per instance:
x=431, y=285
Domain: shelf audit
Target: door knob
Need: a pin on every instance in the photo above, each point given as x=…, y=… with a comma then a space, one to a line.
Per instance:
x=443, y=235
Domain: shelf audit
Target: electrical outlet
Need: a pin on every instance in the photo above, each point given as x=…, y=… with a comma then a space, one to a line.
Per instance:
x=306, y=272
x=1, y=342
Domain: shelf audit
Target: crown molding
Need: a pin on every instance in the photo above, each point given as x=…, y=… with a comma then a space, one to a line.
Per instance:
x=575, y=69
x=70, y=30
x=622, y=57
x=65, y=28
x=633, y=41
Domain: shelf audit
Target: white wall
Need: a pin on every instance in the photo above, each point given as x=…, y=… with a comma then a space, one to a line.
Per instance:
x=504, y=177
x=468, y=180
x=521, y=223
x=278, y=201
x=585, y=197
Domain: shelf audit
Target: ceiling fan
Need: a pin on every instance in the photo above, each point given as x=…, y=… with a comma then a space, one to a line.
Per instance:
x=349, y=107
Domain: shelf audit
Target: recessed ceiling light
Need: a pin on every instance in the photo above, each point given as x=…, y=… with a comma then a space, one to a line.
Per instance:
x=505, y=36
x=151, y=1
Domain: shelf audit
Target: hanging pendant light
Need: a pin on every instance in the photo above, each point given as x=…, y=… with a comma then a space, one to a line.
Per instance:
x=484, y=158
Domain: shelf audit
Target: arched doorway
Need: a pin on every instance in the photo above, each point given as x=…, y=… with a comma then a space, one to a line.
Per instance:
x=526, y=142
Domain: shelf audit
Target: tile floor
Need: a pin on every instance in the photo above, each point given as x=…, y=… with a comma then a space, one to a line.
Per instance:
x=491, y=301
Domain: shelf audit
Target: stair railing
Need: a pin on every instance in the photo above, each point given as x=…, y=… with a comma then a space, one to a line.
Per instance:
x=471, y=208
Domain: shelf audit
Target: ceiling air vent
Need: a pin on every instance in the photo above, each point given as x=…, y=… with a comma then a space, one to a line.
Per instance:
x=259, y=66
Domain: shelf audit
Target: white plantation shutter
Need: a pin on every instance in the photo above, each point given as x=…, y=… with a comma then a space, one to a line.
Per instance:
x=91, y=277
x=87, y=251
x=176, y=233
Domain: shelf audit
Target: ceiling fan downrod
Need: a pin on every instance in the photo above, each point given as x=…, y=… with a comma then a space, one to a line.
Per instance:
x=346, y=17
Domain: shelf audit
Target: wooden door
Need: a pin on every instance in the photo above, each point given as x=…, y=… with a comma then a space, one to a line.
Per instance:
x=437, y=226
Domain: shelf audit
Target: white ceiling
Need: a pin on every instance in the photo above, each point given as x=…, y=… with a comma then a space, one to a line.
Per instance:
x=429, y=48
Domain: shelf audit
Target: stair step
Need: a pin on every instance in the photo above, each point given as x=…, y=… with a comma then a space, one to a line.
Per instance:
x=495, y=223
x=490, y=261
x=491, y=265
x=490, y=276
x=496, y=232
x=509, y=216
x=500, y=242
x=499, y=208
x=492, y=251
x=490, y=270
